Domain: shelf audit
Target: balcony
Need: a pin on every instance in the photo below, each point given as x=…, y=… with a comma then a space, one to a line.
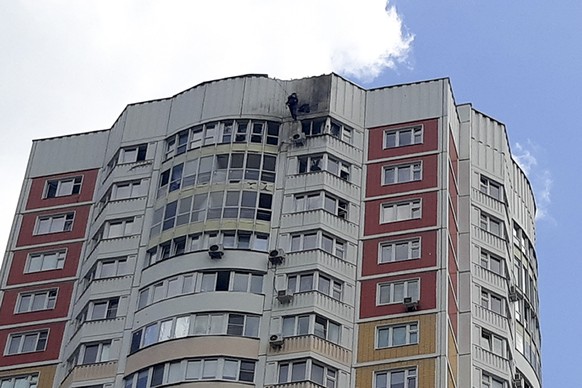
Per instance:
x=318, y=258
x=102, y=288
x=302, y=384
x=91, y=330
x=116, y=208
x=311, y=343
x=491, y=360
x=490, y=278
x=80, y=373
x=315, y=219
x=488, y=202
x=493, y=242
x=116, y=246
x=328, y=143
x=124, y=171
x=490, y=317
x=316, y=299
x=321, y=180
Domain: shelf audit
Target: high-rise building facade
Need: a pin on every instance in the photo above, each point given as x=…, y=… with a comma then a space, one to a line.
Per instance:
x=236, y=235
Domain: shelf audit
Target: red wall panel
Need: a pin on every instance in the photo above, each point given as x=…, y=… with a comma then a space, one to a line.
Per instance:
x=35, y=195
x=26, y=237
x=368, y=306
x=65, y=290
x=370, y=265
x=17, y=275
x=51, y=352
x=374, y=185
x=376, y=140
x=428, y=218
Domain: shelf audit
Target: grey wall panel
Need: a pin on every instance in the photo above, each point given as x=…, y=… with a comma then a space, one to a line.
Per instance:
x=347, y=101
x=68, y=153
x=146, y=121
x=186, y=109
x=223, y=98
x=404, y=103
x=115, y=136
x=265, y=96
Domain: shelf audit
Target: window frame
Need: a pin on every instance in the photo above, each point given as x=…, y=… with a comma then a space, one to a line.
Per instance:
x=406, y=283
x=410, y=374
x=68, y=223
x=414, y=211
x=486, y=221
x=412, y=329
x=49, y=303
x=39, y=334
x=413, y=245
x=486, y=184
x=75, y=189
x=32, y=380
x=398, y=132
x=61, y=256
x=415, y=168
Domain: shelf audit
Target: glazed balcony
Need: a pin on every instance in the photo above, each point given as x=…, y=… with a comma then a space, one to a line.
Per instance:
x=312, y=343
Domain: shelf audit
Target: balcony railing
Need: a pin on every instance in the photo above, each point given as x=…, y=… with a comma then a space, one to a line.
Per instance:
x=491, y=317
x=488, y=201
x=88, y=372
x=491, y=240
x=490, y=278
x=491, y=359
x=321, y=180
x=312, y=343
x=314, y=219
x=317, y=299
x=318, y=257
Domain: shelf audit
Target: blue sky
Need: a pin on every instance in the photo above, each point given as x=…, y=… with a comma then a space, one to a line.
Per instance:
x=71, y=66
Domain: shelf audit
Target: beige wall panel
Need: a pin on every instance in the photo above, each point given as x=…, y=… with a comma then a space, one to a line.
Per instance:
x=367, y=337
x=46, y=374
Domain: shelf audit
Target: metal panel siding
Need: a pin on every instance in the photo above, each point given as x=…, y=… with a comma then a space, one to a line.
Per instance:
x=404, y=103
x=186, y=109
x=265, y=96
x=146, y=121
x=223, y=98
x=70, y=153
x=347, y=101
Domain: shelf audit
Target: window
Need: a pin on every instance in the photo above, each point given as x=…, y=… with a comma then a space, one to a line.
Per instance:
x=229, y=324
x=401, y=211
x=492, y=302
x=133, y=154
x=318, y=240
x=396, y=379
x=392, y=251
x=490, y=381
x=396, y=292
x=119, y=228
x=307, y=369
x=54, y=224
x=322, y=200
x=27, y=342
x=218, y=368
x=45, y=261
x=62, y=187
x=397, y=335
x=493, y=343
x=314, y=163
x=36, y=301
x=492, y=263
x=401, y=174
x=107, y=268
x=492, y=225
x=103, y=309
x=95, y=352
x=125, y=190
x=491, y=188
x=22, y=381
x=314, y=324
x=340, y=131
x=231, y=281
x=403, y=137
x=315, y=281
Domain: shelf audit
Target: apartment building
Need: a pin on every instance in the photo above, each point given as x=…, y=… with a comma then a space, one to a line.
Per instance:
x=235, y=235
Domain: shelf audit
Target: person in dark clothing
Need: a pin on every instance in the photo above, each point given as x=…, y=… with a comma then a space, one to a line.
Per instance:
x=292, y=103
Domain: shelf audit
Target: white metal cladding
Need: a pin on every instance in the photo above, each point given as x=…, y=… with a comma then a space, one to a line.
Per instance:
x=68, y=153
x=146, y=121
x=522, y=200
x=186, y=109
x=405, y=103
x=115, y=136
x=488, y=146
x=348, y=101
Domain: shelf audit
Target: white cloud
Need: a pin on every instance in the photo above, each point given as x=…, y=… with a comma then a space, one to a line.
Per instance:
x=540, y=178
x=71, y=66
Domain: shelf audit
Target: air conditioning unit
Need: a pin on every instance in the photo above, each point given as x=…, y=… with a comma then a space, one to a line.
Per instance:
x=298, y=138
x=517, y=380
x=216, y=251
x=410, y=303
x=277, y=256
x=284, y=296
x=276, y=340
x=514, y=294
